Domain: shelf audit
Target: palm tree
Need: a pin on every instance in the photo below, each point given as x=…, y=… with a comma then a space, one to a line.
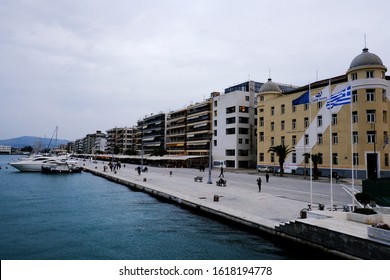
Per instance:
x=281, y=151
x=315, y=159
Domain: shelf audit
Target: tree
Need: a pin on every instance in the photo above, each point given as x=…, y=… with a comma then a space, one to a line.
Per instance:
x=315, y=159
x=281, y=151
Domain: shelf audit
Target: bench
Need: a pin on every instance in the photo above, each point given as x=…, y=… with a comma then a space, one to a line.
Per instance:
x=221, y=182
x=198, y=179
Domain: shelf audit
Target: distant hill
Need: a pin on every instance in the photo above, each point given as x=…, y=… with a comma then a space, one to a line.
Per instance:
x=32, y=141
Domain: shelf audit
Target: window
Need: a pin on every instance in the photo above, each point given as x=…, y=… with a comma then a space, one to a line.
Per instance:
x=215, y=103
x=355, y=159
x=215, y=113
x=272, y=141
x=242, y=130
x=306, y=106
x=261, y=157
x=230, y=131
x=369, y=74
x=294, y=124
x=230, y=110
x=230, y=152
x=384, y=116
x=354, y=117
x=355, y=137
x=386, y=159
x=306, y=139
x=261, y=98
x=354, y=96
x=335, y=138
x=319, y=120
x=239, y=140
x=272, y=110
x=282, y=109
x=370, y=94
x=272, y=157
x=371, y=137
x=244, y=109
x=370, y=116
x=282, y=125
x=243, y=120
x=294, y=108
x=231, y=120
x=319, y=105
x=354, y=76
x=306, y=122
x=384, y=98
x=246, y=98
x=334, y=119
x=319, y=139
x=261, y=121
x=215, y=132
x=282, y=140
x=261, y=136
x=243, y=153
x=294, y=140
x=335, y=159
x=294, y=157
x=215, y=122
x=272, y=126
x=215, y=143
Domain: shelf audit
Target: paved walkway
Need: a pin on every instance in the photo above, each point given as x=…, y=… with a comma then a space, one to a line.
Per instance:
x=270, y=207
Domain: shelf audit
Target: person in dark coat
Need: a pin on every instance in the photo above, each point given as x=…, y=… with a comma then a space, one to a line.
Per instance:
x=266, y=177
x=221, y=175
x=259, y=183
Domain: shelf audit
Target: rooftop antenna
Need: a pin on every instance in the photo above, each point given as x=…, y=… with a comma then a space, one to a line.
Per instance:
x=365, y=41
x=269, y=73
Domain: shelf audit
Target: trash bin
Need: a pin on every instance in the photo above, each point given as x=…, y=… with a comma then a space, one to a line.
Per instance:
x=216, y=198
x=304, y=214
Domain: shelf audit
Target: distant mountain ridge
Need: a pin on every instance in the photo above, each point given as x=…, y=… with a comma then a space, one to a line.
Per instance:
x=32, y=141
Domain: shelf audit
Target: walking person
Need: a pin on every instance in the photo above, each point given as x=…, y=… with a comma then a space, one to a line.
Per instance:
x=259, y=183
x=221, y=175
x=267, y=177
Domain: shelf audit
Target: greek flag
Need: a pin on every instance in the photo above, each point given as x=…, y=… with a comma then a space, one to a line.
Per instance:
x=340, y=98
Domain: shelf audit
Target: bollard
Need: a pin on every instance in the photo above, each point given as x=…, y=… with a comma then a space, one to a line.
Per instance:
x=145, y=179
x=216, y=198
x=170, y=173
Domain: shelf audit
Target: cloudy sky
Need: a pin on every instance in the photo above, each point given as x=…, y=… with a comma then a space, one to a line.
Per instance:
x=87, y=65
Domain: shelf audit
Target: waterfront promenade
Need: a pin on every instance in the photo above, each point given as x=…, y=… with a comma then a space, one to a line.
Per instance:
x=275, y=210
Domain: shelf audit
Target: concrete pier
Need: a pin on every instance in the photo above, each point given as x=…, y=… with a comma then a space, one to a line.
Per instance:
x=275, y=210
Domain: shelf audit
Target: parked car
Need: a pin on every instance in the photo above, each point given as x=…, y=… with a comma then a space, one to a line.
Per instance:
x=265, y=169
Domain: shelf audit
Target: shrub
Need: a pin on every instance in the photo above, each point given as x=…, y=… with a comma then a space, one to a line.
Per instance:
x=363, y=198
x=382, y=226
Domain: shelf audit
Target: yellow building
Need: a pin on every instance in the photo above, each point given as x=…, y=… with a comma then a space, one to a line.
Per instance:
x=350, y=135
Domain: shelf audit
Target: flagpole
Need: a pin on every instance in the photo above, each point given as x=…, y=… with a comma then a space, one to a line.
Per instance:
x=330, y=152
x=310, y=154
x=352, y=168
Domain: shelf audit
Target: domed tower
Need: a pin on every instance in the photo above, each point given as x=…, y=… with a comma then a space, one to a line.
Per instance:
x=270, y=87
x=370, y=114
x=366, y=65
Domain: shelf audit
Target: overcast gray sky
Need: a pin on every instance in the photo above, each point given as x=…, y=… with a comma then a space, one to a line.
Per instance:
x=88, y=65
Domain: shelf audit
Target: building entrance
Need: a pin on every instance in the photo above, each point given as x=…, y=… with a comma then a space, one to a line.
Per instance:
x=372, y=164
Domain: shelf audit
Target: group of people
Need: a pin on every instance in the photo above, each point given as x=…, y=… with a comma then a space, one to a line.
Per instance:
x=113, y=166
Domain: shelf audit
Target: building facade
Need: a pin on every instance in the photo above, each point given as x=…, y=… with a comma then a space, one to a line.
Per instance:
x=351, y=138
x=176, y=132
x=198, y=134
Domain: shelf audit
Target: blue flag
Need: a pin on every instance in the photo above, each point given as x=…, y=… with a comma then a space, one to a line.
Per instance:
x=303, y=99
x=339, y=98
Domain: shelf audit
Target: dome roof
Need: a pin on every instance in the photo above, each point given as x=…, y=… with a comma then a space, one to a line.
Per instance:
x=269, y=86
x=366, y=58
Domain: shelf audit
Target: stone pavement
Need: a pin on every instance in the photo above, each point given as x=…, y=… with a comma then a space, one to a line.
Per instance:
x=240, y=199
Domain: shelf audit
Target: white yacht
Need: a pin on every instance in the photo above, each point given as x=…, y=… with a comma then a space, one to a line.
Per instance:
x=34, y=163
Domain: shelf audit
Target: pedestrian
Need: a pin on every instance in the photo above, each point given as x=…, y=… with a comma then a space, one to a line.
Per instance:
x=337, y=178
x=267, y=177
x=139, y=170
x=221, y=175
x=259, y=183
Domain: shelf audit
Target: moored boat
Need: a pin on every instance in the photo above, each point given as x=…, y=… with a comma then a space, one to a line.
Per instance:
x=64, y=167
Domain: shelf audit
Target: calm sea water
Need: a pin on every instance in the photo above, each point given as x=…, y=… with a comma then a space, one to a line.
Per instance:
x=81, y=216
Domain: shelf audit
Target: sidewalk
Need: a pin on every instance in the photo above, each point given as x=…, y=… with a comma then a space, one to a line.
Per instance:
x=239, y=201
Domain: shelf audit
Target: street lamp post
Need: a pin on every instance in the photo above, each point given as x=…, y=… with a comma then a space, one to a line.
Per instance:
x=210, y=156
